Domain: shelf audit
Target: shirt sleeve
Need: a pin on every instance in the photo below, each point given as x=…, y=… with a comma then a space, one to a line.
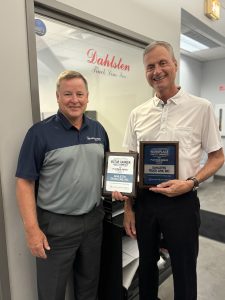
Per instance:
x=211, y=139
x=31, y=156
x=130, y=137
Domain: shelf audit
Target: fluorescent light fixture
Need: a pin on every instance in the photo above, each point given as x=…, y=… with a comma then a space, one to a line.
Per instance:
x=190, y=45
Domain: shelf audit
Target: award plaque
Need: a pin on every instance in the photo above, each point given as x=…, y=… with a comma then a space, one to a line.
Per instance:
x=120, y=173
x=158, y=162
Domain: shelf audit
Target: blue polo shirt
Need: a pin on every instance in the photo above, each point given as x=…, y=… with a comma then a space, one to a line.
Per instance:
x=66, y=162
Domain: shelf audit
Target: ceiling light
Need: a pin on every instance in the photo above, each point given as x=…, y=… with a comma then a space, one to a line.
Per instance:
x=212, y=9
x=191, y=45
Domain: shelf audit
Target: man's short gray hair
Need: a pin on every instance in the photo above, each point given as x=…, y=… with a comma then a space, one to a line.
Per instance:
x=154, y=44
x=69, y=74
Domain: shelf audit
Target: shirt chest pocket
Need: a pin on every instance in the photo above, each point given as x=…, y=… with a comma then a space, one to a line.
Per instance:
x=184, y=136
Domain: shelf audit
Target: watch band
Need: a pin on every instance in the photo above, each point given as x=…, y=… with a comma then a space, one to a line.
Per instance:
x=196, y=182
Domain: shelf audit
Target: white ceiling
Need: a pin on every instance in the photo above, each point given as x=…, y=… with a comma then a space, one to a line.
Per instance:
x=194, y=28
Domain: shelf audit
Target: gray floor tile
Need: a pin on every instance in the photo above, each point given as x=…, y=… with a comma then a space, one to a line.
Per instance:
x=211, y=270
x=212, y=196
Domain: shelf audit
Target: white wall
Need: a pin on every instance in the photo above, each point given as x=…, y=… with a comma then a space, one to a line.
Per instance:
x=214, y=77
x=190, y=75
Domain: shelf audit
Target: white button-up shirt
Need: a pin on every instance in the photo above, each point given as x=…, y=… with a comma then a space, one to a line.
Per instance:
x=184, y=118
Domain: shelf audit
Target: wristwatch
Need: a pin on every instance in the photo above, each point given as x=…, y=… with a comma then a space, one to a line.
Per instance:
x=196, y=182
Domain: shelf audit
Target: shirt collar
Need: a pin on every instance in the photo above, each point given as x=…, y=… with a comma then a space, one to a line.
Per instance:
x=66, y=123
x=175, y=99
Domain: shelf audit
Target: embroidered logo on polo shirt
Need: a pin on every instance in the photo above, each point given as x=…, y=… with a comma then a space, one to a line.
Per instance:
x=96, y=139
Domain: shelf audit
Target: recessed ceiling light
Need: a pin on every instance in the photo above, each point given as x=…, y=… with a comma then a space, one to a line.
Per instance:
x=190, y=45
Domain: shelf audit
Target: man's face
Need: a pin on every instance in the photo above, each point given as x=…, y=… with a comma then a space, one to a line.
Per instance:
x=160, y=69
x=72, y=98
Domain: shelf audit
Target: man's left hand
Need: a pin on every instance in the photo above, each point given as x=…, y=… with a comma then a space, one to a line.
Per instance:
x=173, y=188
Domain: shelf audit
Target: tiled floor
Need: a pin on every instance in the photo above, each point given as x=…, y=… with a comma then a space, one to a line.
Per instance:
x=211, y=260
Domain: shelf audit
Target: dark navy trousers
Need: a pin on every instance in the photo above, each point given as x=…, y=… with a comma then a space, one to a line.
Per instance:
x=178, y=220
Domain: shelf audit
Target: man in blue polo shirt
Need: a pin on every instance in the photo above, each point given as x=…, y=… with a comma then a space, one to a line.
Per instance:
x=59, y=177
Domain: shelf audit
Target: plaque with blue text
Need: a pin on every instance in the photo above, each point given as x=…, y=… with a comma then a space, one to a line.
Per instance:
x=158, y=162
x=120, y=173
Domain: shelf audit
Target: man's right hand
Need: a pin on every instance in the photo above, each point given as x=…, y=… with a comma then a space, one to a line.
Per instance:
x=129, y=216
x=37, y=242
x=118, y=196
x=129, y=223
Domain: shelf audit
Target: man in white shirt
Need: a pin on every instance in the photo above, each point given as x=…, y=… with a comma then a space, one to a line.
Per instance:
x=171, y=207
